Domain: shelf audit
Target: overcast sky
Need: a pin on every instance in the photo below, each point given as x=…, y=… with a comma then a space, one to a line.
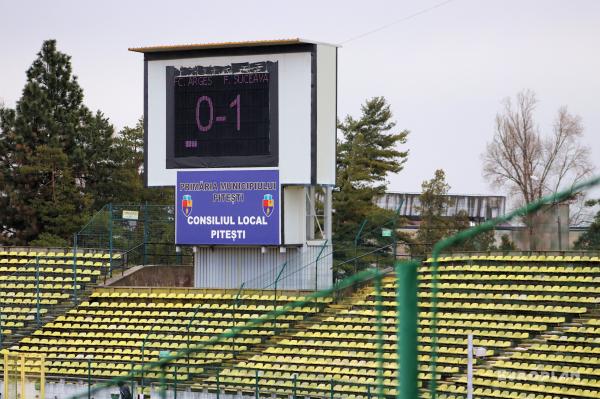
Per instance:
x=444, y=72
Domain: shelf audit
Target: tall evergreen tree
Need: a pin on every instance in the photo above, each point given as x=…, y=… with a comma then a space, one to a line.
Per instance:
x=366, y=153
x=53, y=153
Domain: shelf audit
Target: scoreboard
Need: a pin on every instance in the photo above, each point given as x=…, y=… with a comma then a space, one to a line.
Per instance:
x=225, y=116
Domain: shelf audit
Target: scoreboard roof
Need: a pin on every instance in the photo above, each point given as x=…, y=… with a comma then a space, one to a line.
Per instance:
x=219, y=45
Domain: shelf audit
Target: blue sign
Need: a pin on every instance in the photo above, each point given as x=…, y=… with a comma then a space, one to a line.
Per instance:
x=232, y=207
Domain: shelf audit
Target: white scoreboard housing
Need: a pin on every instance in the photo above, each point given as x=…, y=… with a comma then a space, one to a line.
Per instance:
x=306, y=103
x=302, y=128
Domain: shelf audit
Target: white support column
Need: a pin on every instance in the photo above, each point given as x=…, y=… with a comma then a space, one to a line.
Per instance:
x=328, y=211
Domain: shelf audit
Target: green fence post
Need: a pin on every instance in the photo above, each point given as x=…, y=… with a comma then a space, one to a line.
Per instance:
x=163, y=382
x=256, y=393
x=175, y=384
x=143, y=351
x=406, y=331
x=235, y=307
x=368, y=391
x=356, y=239
x=145, y=233
x=74, y=268
x=89, y=378
x=218, y=383
x=110, y=238
x=295, y=376
x=132, y=381
x=379, y=322
x=189, y=325
x=331, y=389
x=275, y=300
x=1, y=327
x=37, y=291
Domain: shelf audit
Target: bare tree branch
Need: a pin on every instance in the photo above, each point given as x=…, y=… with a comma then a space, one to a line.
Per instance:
x=524, y=162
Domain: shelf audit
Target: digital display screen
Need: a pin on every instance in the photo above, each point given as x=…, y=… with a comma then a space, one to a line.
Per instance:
x=222, y=115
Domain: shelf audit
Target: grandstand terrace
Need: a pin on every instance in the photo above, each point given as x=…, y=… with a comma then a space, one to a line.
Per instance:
x=537, y=318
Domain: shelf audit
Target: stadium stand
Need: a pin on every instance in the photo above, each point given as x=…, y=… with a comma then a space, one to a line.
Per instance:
x=503, y=301
x=31, y=277
x=536, y=316
x=120, y=329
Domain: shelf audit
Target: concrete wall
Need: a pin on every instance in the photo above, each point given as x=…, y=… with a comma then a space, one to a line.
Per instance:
x=301, y=268
x=156, y=276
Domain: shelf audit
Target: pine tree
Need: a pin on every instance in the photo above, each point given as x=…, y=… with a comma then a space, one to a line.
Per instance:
x=53, y=152
x=367, y=152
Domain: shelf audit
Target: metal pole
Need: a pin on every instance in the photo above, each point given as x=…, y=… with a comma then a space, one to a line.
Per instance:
x=218, y=383
x=143, y=349
x=74, y=268
x=89, y=379
x=175, y=384
x=331, y=387
x=295, y=375
x=145, y=233
x=559, y=232
x=256, y=393
x=356, y=239
x=380, y=338
x=132, y=381
x=110, y=238
x=163, y=383
x=275, y=300
x=235, y=307
x=37, y=291
x=1, y=328
x=470, y=366
x=189, y=325
x=406, y=299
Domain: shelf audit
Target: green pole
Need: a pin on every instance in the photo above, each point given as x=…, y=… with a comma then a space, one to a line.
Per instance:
x=294, y=386
x=143, y=350
x=145, y=232
x=356, y=239
x=37, y=291
x=1, y=328
x=132, y=381
x=175, y=384
x=256, y=393
x=331, y=389
x=163, y=383
x=218, y=383
x=406, y=311
x=110, y=238
x=74, y=268
x=189, y=325
x=395, y=235
x=89, y=379
x=379, y=322
x=275, y=297
x=235, y=307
